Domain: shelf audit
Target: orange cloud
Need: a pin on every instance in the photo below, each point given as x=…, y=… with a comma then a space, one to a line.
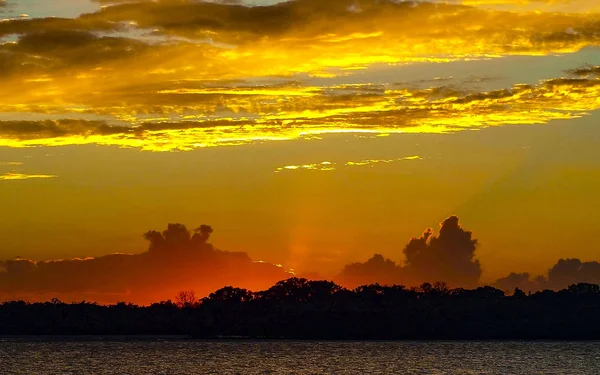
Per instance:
x=176, y=260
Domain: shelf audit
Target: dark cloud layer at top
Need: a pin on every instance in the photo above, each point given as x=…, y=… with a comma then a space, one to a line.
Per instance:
x=157, y=66
x=299, y=19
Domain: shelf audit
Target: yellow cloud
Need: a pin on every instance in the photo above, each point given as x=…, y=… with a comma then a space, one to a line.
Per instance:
x=370, y=162
x=331, y=166
x=337, y=109
x=12, y=176
x=178, y=75
x=323, y=166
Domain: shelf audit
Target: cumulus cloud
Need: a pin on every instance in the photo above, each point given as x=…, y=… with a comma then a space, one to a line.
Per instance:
x=375, y=270
x=564, y=273
x=177, y=259
x=448, y=257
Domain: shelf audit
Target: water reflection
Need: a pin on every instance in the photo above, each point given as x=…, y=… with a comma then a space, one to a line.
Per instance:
x=250, y=357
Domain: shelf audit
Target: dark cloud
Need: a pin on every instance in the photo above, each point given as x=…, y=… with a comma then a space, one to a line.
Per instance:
x=376, y=270
x=180, y=259
x=586, y=71
x=234, y=23
x=37, y=25
x=514, y=280
x=448, y=257
x=56, y=128
x=563, y=274
x=304, y=20
x=177, y=259
x=572, y=271
x=53, y=51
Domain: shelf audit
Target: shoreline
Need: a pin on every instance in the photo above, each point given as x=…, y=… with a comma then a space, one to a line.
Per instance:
x=173, y=338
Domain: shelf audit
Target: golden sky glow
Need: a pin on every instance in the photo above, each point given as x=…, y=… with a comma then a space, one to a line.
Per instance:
x=414, y=111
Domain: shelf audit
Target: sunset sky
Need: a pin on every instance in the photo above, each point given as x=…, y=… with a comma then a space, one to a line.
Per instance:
x=307, y=133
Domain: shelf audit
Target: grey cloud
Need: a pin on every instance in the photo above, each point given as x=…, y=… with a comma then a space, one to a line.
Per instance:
x=56, y=128
x=586, y=71
x=564, y=273
x=448, y=257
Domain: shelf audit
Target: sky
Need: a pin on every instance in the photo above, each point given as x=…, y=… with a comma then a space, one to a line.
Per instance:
x=310, y=135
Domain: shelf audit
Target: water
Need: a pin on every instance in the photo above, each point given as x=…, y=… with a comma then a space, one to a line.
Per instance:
x=41, y=356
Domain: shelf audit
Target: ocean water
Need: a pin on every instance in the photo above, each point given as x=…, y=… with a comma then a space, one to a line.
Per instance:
x=160, y=356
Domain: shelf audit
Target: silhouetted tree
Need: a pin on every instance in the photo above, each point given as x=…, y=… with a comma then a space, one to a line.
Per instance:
x=186, y=298
x=518, y=293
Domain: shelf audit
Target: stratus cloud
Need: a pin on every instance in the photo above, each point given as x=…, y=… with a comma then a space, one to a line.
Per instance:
x=176, y=259
x=448, y=257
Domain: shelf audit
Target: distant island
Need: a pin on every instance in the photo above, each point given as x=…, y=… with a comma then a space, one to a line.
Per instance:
x=322, y=310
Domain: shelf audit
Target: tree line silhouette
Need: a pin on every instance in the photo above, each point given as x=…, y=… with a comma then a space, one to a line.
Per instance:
x=301, y=309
